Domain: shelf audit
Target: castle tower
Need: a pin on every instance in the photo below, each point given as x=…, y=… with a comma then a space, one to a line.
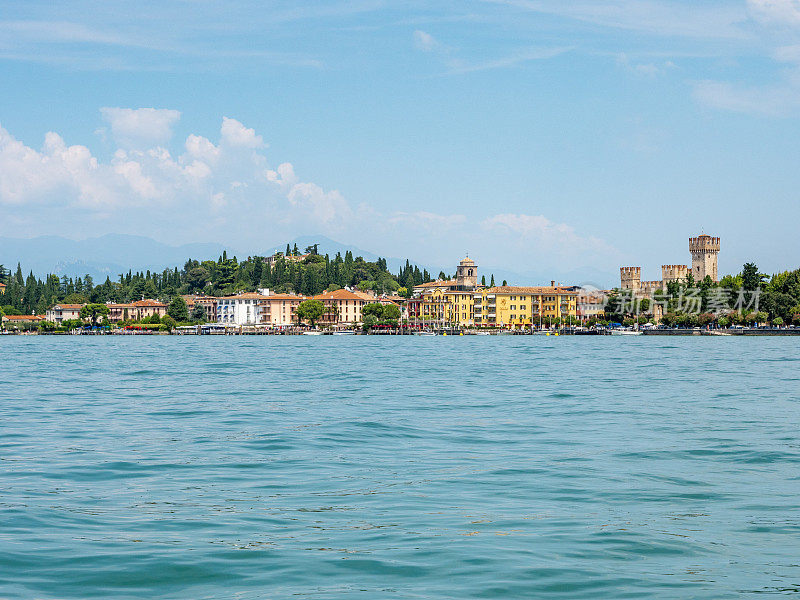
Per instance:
x=467, y=273
x=673, y=273
x=630, y=278
x=704, y=250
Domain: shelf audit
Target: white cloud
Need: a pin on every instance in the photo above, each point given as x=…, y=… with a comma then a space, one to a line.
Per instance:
x=524, y=55
x=424, y=41
x=428, y=221
x=691, y=20
x=140, y=127
x=776, y=12
x=233, y=133
x=778, y=24
x=138, y=180
x=227, y=191
x=540, y=233
x=778, y=100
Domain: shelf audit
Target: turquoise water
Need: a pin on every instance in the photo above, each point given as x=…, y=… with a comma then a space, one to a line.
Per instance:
x=399, y=467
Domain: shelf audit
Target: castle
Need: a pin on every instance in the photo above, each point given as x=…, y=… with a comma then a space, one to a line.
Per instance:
x=704, y=250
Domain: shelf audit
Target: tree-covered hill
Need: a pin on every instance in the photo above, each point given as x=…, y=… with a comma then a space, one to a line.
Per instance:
x=308, y=273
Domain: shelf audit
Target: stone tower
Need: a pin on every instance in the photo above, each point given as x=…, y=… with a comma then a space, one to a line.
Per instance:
x=704, y=250
x=467, y=273
x=630, y=278
x=673, y=273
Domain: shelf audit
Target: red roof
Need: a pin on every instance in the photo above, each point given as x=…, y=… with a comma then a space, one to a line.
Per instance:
x=23, y=318
x=67, y=307
x=339, y=295
x=148, y=303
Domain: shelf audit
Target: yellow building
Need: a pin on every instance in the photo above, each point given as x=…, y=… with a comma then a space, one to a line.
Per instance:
x=449, y=303
x=461, y=302
x=447, y=307
x=515, y=307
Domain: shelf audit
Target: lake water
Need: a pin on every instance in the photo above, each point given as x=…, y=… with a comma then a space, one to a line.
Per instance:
x=399, y=467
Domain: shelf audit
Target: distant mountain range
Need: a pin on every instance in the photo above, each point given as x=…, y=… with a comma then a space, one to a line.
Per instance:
x=101, y=257
x=112, y=254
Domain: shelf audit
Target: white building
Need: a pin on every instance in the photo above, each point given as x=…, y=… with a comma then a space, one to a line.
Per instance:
x=63, y=312
x=243, y=309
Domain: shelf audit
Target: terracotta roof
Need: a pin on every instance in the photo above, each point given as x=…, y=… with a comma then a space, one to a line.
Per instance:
x=120, y=305
x=23, y=318
x=339, y=295
x=437, y=283
x=148, y=303
x=366, y=295
x=386, y=301
x=467, y=261
x=510, y=289
x=245, y=296
x=67, y=307
x=283, y=297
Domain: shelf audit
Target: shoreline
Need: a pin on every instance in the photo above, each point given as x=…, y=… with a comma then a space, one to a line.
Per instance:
x=731, y=332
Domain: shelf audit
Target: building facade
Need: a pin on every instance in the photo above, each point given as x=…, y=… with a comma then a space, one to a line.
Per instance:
x=280, y=310
x=449, y=302
x=591, y=304
x=209, y=304
x=343, y=307
x=148, y=308
x=21, y=321
x=121, y=312
x=517, y=307
x=62, y=312
x=242, y=309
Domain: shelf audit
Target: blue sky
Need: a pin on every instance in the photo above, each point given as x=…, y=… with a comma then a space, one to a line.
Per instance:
x=534, y=134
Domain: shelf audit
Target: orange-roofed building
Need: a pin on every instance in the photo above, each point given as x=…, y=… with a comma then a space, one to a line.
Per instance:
x=148, y=308
x=343, y=307
x=63, y=312
x=279, y=310
x=121, y=312
x=209, y=304
x=17, y=321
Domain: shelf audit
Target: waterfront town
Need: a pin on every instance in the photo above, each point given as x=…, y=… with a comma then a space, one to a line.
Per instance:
x=460, y=303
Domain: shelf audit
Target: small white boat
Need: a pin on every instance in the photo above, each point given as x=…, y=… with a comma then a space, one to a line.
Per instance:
x=625, y=332
x=424, y=333
x=346, y=332
x=312, y=333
